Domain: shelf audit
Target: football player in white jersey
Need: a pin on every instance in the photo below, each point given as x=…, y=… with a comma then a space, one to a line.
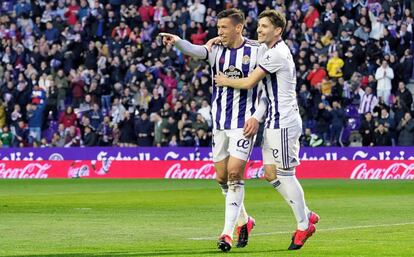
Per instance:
x=236, y=58
x=283, y=124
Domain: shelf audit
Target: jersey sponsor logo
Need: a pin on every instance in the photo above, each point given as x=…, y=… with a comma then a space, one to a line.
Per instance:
x=243, y=143
x=233, y=73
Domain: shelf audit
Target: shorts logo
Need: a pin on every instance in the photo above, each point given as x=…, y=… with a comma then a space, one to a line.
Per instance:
x=275, y=153
x=243, y=143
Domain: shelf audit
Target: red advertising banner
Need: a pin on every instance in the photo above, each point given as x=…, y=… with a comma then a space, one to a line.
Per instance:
x=391, y=169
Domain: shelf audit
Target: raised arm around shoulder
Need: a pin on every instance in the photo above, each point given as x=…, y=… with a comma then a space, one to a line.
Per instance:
x=244, y=83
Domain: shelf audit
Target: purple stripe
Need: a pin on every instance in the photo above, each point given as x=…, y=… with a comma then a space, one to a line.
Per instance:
x=273, y=78
x=213, y=96
x=243, y=93
x=220, y=91
x=269, y=108
x=230, y=93
x=254, y=97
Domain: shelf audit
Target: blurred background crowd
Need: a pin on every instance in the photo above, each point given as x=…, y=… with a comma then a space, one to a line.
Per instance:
x=94, y=72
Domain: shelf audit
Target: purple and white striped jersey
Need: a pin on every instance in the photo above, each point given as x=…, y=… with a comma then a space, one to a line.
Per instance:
x=279, y=86
x=232, y=107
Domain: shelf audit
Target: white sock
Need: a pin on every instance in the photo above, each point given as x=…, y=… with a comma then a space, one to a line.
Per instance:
x=291, y=190
x=234, y=201
x=243, y=217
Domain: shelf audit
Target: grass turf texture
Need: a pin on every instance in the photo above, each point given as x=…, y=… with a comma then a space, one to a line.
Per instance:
x=158, y=218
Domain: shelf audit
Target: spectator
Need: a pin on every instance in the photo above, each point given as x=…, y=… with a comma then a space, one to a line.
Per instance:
x=89, y=137
x=316, y=75
x=127, y=133
x=368, y=102
x=335, y=65
x=406, y=130
x=68, y=118
x=159, y=125
x=338, y=122
x=367, y=130
x=197, y=11
x=384, y=75
x=323, y=119
x=144, y=129
x=382, y=137
x=21, y=134
x=6, y=137
x=405, y=96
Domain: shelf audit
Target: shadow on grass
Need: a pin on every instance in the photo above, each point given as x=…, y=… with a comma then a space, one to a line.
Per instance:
x=183, y=252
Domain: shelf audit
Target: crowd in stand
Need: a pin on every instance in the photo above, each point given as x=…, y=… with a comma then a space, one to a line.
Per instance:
x=94, y=72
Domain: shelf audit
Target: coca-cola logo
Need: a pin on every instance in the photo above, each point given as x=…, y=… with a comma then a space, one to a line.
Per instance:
x=206, y=171
x=394, y=171
x=31, y=170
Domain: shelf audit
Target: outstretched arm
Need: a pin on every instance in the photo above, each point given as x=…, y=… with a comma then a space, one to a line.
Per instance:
x=184, y=46
x=244, y=83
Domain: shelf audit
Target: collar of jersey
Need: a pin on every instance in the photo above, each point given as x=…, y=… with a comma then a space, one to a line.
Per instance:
x=244, y=42
x=277, y=42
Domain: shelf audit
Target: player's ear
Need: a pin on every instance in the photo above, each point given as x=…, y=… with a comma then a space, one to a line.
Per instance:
x=279, y=31
x=239, y=27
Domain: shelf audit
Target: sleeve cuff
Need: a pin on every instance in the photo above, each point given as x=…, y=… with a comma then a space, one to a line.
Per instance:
x=263, y=68
x=206, y=59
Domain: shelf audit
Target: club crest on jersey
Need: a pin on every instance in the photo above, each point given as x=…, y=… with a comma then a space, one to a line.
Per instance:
x=233, y=73
x=246, y=59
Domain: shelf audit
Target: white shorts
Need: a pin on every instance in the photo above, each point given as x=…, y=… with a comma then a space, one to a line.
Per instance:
x=281, y=147
x=231, y=142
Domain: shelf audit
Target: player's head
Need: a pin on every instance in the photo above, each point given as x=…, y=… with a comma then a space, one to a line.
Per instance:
x=271, y=26
x=230, y=25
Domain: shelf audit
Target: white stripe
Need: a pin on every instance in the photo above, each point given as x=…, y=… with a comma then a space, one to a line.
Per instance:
x=214, y=104
x=318, y=230
x=224, y=95
x=236, y=92
x=253, y=64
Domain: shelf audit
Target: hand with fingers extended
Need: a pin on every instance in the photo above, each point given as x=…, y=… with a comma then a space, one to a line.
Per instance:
x=169, y=39
x=221, y=79
x=211, y=42
x=251, y=127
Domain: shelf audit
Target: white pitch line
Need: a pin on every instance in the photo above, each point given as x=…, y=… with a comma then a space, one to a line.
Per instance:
x=318, y=230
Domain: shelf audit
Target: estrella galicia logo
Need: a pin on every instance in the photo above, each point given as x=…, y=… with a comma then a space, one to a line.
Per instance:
x=233, y=73
x=275, y=153
x=243, y=143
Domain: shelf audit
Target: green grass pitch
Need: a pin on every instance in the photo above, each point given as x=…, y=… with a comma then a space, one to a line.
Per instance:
x=66, y=218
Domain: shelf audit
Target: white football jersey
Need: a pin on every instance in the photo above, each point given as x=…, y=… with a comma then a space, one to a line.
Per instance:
x=232, y=107
x=279, y=86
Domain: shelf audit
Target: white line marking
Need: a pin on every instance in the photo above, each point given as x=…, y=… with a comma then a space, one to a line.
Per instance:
x=318, y=230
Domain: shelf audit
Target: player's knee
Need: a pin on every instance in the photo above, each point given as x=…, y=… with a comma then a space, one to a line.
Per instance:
x=286, y=172
x=235, y=184
x=235, y=175
x=270, y=173
x=270, y=176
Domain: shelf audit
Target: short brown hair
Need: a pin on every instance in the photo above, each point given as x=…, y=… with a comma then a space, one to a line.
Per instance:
x=236, y=15
x=276, y=18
